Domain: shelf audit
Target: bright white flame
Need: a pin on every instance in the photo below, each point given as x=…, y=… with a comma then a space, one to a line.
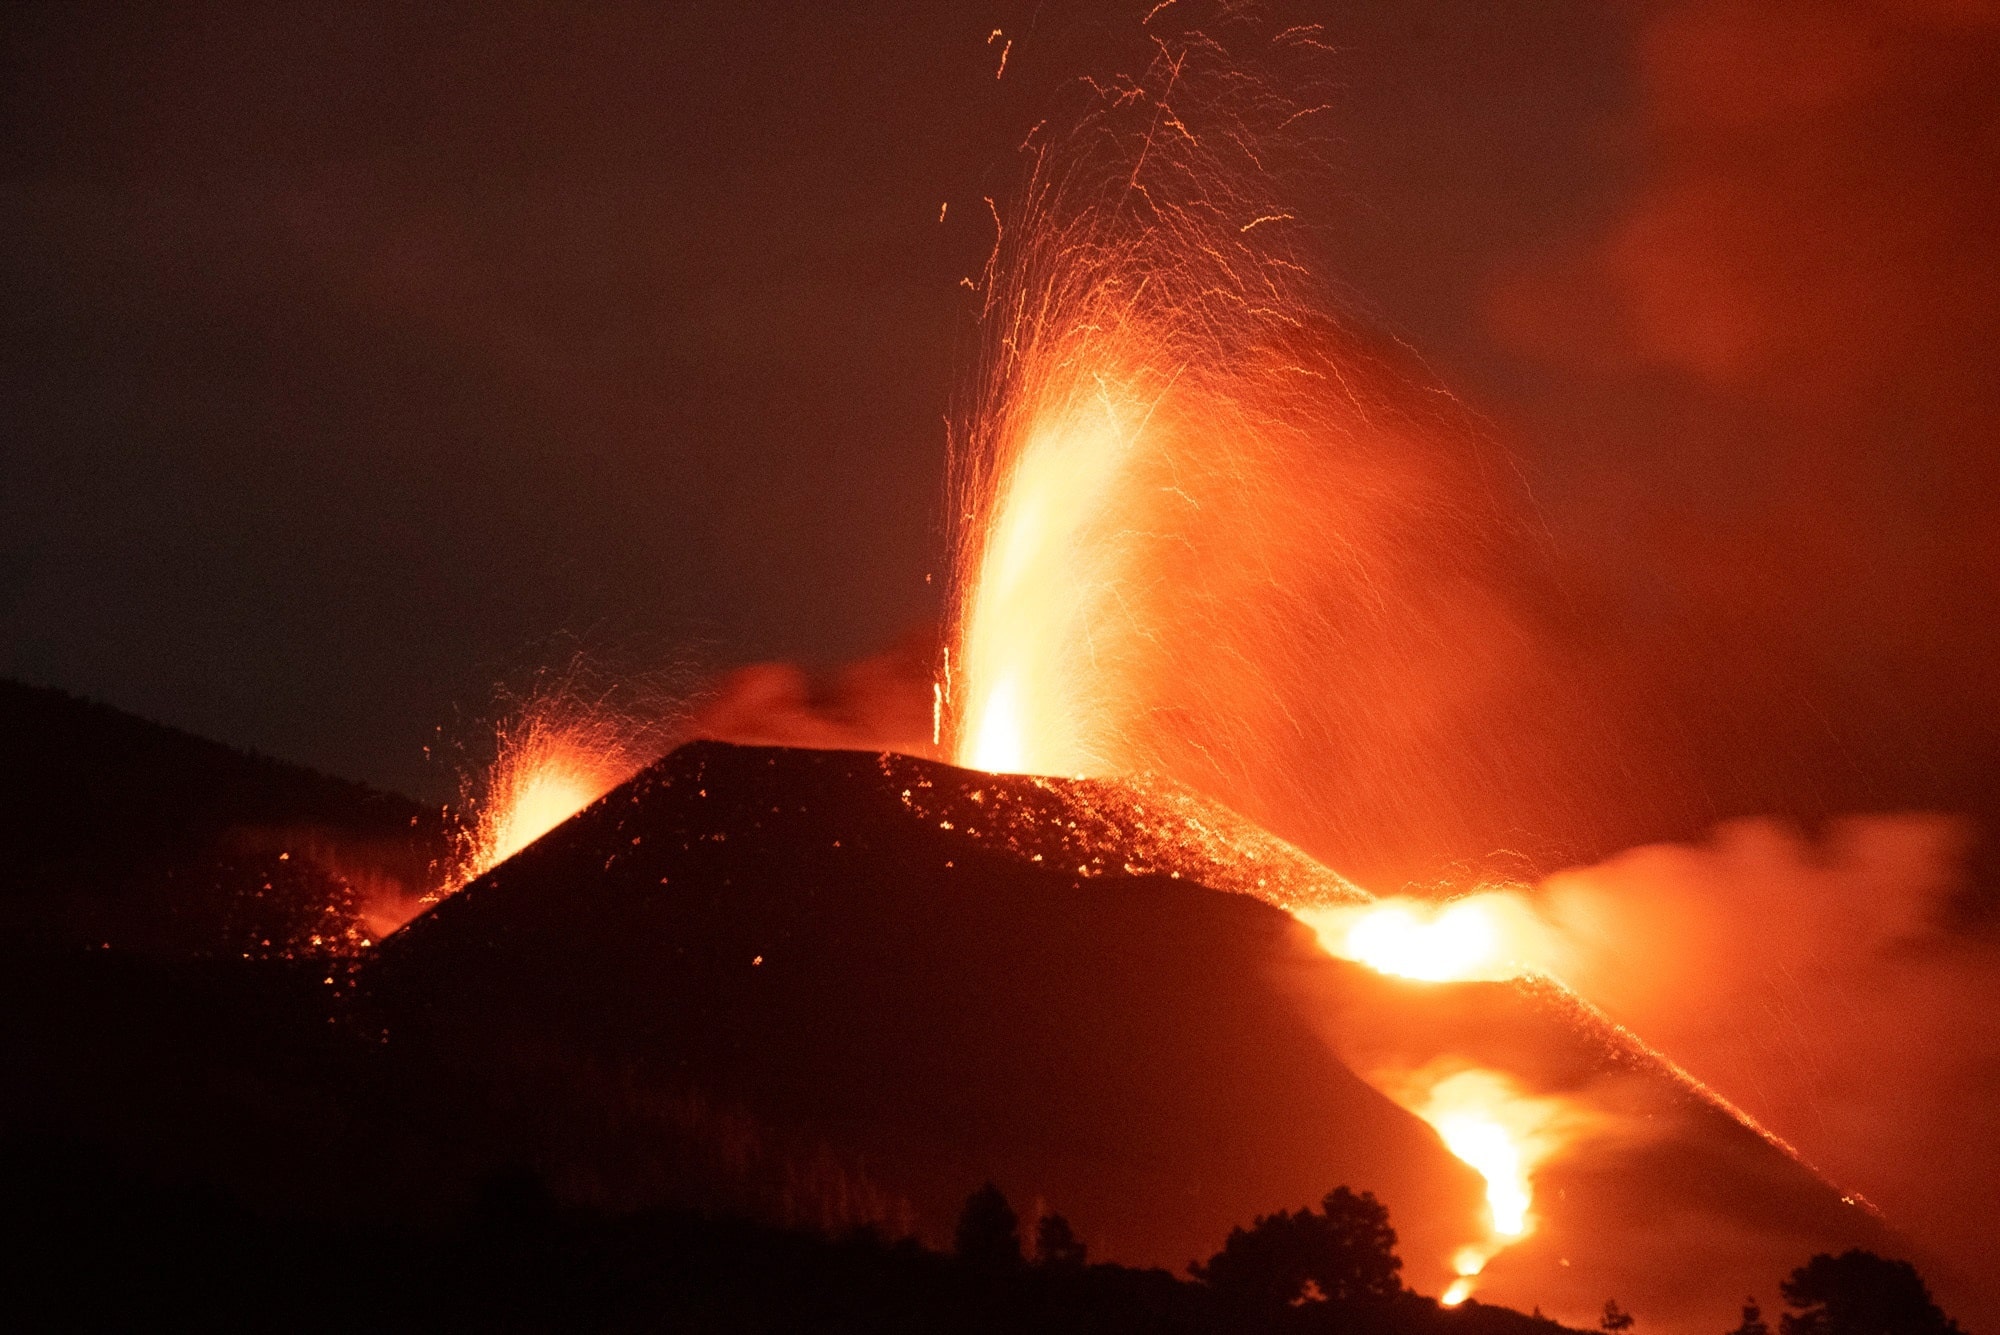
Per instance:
x=543, y=801
x=1453, y=944
x=997, y=745
x=1047, y=598
x=1485, y=1145
x=1485, y=937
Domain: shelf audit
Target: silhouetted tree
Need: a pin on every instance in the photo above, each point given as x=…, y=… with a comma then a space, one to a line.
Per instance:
x=989, y=1232
x=1859, y=1293
x=1616, y=1320
x=1753, y=1320
x=1056, y=1243
x=1345, y=1251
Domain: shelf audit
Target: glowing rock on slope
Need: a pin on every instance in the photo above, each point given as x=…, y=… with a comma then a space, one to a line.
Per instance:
x=1483, y=1119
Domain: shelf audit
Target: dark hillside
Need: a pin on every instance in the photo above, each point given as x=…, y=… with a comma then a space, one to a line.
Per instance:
x=807, y=991
x=835, y=987
x=766, y=948
x=129, y=833
x=111, y=1249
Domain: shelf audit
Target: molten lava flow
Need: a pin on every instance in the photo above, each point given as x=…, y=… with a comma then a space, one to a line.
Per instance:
x=1503, y=1134
x=1486, y=937
x=1481, y=1116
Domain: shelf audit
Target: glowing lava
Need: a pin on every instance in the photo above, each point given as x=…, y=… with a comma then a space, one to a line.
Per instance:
x=1485, y=937
x=1503, y=1135
x=1202, y=528
x=1206, y=533
x=1046, y=607
x=1480, y=1115
x=538, y=795
x=551, y=762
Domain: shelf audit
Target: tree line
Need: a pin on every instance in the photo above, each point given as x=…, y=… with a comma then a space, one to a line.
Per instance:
x=101, y=1246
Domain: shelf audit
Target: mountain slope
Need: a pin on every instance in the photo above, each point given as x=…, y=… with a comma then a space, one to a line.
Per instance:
x=821, y=972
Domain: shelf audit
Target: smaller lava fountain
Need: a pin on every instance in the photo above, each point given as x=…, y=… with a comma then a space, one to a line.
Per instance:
x=556, y=753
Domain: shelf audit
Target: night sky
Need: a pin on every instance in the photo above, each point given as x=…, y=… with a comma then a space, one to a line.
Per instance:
x=358, y=361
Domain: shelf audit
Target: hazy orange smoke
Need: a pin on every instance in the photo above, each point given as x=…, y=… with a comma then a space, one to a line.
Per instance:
x=1830, y=986
x=1206, y=531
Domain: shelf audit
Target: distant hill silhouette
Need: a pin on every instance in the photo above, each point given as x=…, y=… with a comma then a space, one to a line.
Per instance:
x=124, y=832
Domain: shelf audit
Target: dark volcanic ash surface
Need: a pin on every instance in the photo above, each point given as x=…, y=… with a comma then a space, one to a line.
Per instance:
x=797, y=997
x=830, y=987
x=821, y=989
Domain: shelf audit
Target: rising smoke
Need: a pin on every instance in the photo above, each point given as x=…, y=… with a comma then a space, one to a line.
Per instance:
x=1830, y=986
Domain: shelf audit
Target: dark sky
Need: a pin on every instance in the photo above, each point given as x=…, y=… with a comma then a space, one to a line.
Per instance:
x=357, y=361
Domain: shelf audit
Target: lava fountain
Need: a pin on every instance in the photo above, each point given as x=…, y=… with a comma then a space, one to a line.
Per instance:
x=1206, y=532
x=1202, y=527
x=556, y=753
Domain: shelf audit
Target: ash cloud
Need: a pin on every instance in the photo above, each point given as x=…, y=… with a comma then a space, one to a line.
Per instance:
x=1773, y=363
x=881, y=702
x=1776, y=362
x=1832, y=986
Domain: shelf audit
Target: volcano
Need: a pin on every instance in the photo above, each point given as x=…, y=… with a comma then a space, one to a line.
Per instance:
x=841, y=988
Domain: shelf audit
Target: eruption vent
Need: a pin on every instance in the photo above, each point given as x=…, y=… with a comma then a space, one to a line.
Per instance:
x=1205, y=529
x=1489, y=936
x=557, y=753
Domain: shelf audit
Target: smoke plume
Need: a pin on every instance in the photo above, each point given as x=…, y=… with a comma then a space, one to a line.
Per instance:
x=1828, y=985
x=1780, y=350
